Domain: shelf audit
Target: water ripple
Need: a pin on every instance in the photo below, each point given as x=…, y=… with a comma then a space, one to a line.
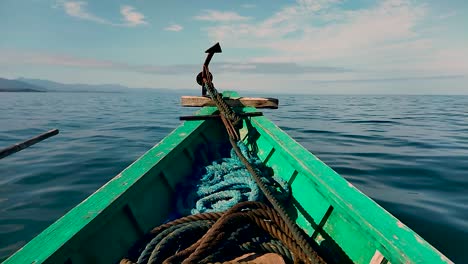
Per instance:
x=409, y=153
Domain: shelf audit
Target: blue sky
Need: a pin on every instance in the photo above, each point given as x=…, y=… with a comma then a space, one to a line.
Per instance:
x=304, y=46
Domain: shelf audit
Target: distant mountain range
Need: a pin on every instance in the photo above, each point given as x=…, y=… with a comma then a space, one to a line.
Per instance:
x=18, y=86
x=38, y=85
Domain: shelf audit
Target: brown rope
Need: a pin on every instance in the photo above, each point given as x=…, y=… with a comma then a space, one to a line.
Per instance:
x=220, y=231
x=186, y=253
x=187, y=219
x=298, y=234
x=217, y=241
x=228, y=117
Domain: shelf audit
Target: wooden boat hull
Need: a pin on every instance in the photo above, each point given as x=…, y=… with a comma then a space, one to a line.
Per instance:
x=331, y=210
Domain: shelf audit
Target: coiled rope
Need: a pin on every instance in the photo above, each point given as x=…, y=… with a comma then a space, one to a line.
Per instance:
x=220, y=237
x=226, y=182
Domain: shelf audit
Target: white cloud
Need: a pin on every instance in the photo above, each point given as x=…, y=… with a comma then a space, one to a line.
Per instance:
x=344, y=33
x=132, y=17
x=289, y=19
x=220, y=16
x=174, y=27
x=386, y=40
x=320, y=31
x=79, y=10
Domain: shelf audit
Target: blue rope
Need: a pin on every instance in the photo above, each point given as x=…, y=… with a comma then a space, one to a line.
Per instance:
x=224, y=183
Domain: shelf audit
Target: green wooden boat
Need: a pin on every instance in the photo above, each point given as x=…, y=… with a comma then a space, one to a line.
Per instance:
x=330, y=209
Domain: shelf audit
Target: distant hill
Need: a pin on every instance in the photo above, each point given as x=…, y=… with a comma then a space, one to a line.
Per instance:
x=62, y=87
x=38, y=85
x=7, y=85
x=52, y=86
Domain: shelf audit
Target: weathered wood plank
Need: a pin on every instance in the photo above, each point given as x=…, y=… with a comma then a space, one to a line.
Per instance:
x=206, y=117
x=258, y=102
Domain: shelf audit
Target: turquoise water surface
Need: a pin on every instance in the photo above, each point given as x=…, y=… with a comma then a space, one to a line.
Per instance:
x=409, y=153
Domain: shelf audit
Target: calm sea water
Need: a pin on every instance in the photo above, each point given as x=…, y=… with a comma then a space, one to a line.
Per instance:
x=409, y=153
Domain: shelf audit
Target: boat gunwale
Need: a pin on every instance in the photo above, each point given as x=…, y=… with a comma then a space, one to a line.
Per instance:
x=350, y=199
x=36, y=251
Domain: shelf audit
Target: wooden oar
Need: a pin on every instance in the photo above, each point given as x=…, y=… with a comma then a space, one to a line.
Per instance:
x=22, y=145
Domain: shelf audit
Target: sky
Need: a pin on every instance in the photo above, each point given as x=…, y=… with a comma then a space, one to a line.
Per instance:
x=303, y=46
